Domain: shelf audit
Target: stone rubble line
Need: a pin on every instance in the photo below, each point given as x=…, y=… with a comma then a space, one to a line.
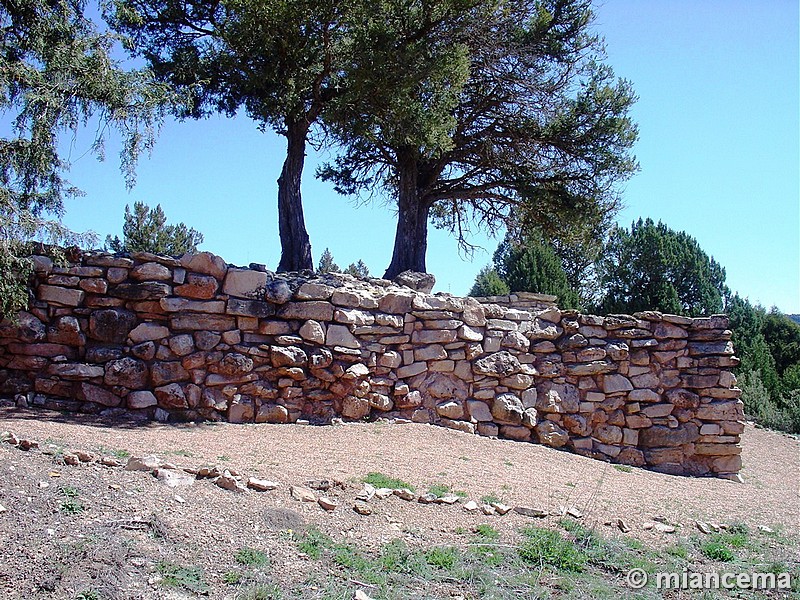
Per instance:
x=144, y=337
x=230, y=479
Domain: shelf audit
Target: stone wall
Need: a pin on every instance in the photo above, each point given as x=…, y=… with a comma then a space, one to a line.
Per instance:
x=149, y=336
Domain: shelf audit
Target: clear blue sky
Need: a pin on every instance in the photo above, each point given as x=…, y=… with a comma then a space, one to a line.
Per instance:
x=719, y=153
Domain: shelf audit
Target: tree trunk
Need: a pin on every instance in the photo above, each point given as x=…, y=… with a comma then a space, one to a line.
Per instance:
x=411, y=238
x=295, y=244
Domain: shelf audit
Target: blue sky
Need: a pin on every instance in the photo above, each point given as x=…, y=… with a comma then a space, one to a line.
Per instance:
x=719, y=152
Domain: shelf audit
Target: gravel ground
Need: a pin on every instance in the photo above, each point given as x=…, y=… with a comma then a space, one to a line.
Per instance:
x=46, y=552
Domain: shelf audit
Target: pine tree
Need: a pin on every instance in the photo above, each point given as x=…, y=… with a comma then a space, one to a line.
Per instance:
x=327, y=264
x=488, y=283
x=357, y=269
x=145, y=230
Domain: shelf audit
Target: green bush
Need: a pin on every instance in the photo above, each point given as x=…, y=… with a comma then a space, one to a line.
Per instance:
x=782, y=415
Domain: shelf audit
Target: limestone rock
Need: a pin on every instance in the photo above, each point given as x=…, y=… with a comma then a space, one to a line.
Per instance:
x=355, y=408
x=144, y=463
x=199, y=287
x=289, y=356
x=404, y=494
x=500, y=508
x=340, y=335
x=528, y=511
x=362, y=508
x=111, y=325
x=205, y=263
x=244, y=283
x=174, y=478
x=550, y=434
x=141, y=399
x=313, y=331
x=421, y=282
x=507, y=408
x=227, y=481
x=499, y=364
x=61, y=296
x=98, y=395
x=148, y=332
x=327, y=503
x=127, y=372
x=557, y=398
x=151, y=271
x=261, y=485
x=616, y=383
x=171, y=396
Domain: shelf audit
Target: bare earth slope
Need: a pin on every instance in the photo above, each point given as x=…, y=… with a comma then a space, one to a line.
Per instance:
x=38, y=538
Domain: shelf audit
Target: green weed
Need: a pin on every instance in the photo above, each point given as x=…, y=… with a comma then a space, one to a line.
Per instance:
x=186, y=578
x=70, y=505
x=261, y=591
x=717, y=550
x=441, y=557
x=546, y=547
x=379, y=480
x=487, y=532
x=250, y=557
x=313, y=543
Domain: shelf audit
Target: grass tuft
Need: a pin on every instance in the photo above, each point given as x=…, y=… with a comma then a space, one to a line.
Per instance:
x=548, y=548
x=186, y=578
x=250, y=557
x=379, y=480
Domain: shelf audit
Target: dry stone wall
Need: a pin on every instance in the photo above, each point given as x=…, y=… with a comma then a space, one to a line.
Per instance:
x=146, y=336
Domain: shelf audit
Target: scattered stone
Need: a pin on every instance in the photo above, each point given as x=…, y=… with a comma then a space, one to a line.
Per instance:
x=383, y=493
x=662, y=528
x=2, y=509
x=327, y=503
x=622, y=526
x=70, y=459
x=703, y=527
x=488, y=510
x=361, y=595
x=110, y=461
x=321, y=485
x=26, y=445
x=527, y=511
x=428, y=499
x=302, y=494
x=144, y=463
x=261, y=485
x=448, y=499
x=765, y=529
x=404, y=494
x=471, y=506
x=362, y=508
x=228, y=482
x=174, y=478
x=574, y=513
x=85, y=457
x=660, y=519
x=366, y=493
x=502, y=509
